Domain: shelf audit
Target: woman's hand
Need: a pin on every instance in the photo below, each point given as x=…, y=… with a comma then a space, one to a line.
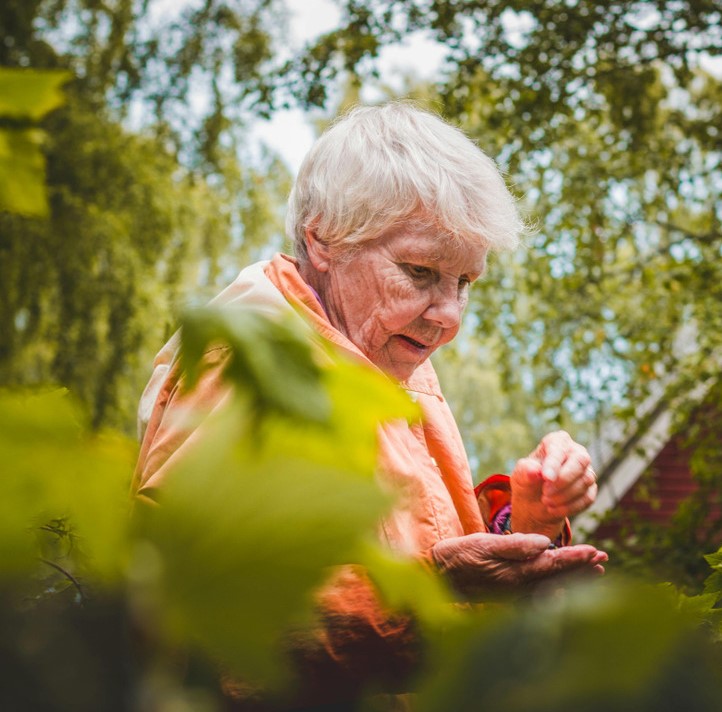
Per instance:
x=481, y=566
x=556, y=481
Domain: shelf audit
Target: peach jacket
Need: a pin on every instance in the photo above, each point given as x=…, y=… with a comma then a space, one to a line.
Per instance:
x=425, y=461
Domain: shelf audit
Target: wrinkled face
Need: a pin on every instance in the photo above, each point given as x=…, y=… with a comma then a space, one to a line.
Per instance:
x=401, y=296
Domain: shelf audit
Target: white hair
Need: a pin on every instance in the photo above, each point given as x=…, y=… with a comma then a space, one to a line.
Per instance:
x=381, y=167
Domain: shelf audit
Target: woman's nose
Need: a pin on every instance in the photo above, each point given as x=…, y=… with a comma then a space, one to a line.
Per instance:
x=445, y=310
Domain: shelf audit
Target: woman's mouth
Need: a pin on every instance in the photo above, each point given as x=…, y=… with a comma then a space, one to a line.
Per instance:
x=413, y=342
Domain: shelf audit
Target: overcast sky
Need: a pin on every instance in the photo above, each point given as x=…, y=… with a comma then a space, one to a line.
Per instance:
x=289, y=132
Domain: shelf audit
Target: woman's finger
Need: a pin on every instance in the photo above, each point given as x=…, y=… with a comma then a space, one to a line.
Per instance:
x=563, y=507
x=552, y=452
x=574, y=466
x=576, y=477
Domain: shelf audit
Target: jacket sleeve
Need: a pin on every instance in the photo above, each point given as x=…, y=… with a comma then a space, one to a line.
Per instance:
x=173, y=424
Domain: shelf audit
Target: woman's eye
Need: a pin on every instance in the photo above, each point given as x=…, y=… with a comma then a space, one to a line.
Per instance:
x=418, y=272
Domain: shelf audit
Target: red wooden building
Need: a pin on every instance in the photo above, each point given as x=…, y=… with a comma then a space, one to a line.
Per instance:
x=646, y=472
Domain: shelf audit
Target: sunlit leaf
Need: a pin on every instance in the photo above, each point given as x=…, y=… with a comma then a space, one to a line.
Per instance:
x=29, y=94
x=270, y=360
x=25, y=95
x=715, y=560
x=244, y=534
x=361, y=398
x=713, y=583
x=22, y=172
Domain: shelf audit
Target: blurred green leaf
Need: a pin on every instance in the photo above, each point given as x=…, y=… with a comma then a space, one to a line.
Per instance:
x=363, y=398
x=25, y=95
x=29, y=94
x=360, y=399
x=269, y=360
x=258, y=510
x=244, y=534
x=22, y=172
x=55, y=470
x=406, y=585
x=610, y=645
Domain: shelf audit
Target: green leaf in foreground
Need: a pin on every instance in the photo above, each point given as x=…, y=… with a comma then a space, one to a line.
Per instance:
x=612, y=645
x=252, y=519
x=360, y=398
x=54, y=469
x=25, y=96
x=244, y=535
x=268, y=359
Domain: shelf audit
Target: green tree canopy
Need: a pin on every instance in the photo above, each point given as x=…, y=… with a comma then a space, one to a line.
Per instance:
x=139, y=218
x=606, y=118
x=193, y=70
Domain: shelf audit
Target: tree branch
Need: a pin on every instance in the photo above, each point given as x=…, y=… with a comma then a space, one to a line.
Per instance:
x=68, y=576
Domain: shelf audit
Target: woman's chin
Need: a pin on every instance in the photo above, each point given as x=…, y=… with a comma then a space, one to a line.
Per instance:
x=401, y=370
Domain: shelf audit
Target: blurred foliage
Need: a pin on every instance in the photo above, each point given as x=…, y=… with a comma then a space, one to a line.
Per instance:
x=58, y=472
x=102, y=608
x=191, y=70
x=548, y=60
x=29, y=95
x=613, y=645
x=262, y=349
x=137, y=222
x=25, y=97
x=90, y=292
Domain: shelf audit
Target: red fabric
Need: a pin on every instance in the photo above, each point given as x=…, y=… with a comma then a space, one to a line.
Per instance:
x=495, y=492
x=492, y=494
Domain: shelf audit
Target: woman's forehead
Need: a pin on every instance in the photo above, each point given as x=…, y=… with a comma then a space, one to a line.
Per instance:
x=430, y=247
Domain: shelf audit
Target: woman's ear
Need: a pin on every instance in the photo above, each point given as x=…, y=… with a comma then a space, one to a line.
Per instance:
x=318, y=252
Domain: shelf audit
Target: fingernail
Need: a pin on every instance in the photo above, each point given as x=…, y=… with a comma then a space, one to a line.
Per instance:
x=549, y=473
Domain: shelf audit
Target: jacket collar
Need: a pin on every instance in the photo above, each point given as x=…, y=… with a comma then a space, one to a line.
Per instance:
x=283, y=272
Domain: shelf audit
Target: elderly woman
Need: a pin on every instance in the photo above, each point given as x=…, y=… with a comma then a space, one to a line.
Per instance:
x=392, y=217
